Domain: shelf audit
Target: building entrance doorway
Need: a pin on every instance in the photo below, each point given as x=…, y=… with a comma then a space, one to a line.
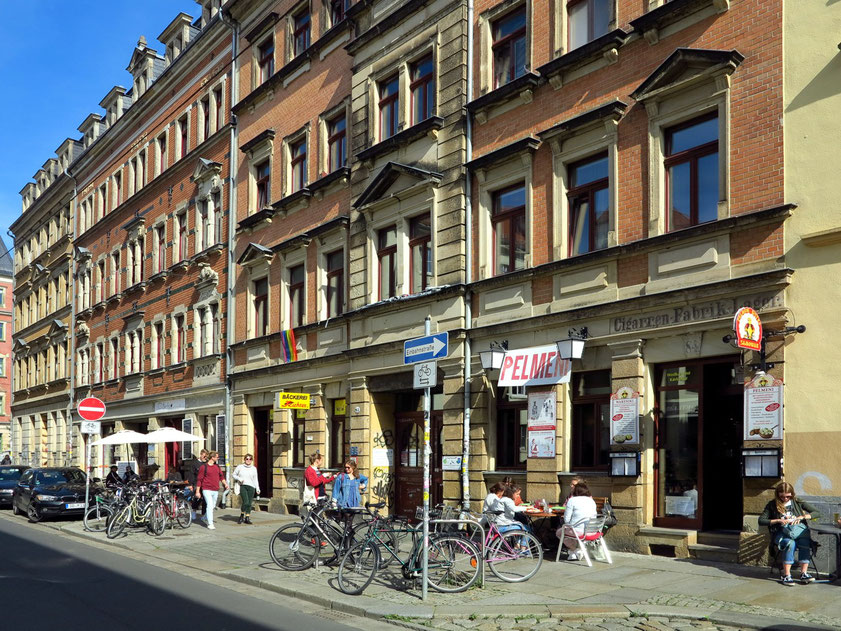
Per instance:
x=172, y=451
x=698, y=441
x=263, y=449
x=408, y=462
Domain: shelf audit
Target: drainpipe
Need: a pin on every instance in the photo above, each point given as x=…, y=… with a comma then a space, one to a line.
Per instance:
x=232, y=206
x=468, y=296
x=13, y=387
x=71, y=342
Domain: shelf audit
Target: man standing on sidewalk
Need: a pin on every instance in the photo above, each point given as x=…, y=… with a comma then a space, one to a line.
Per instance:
x=207, y=485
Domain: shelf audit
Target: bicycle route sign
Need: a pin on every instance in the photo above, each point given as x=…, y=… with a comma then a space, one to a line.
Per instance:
x=91, y=409
x=425, y=375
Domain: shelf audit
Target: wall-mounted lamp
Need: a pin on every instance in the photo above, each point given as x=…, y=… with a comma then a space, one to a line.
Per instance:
x=761, y=463
x=573, y=346
x=625, y=464
x=492, y=358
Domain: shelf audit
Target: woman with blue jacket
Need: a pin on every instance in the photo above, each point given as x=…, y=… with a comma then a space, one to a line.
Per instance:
x=349, y=486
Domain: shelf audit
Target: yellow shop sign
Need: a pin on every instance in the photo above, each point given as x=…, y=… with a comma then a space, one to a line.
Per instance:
x=293, y=401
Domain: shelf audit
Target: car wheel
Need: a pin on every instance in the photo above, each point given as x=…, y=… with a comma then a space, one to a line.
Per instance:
x=15, y=510
x=33, y=514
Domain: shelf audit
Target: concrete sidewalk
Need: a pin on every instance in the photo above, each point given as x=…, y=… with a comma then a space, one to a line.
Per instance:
x=634, y=585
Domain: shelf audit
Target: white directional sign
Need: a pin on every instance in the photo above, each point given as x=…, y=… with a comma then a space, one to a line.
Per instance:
x=425, y=348
x=426, y=375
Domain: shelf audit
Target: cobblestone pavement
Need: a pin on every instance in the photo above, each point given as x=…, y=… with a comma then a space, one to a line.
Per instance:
x=594, y=623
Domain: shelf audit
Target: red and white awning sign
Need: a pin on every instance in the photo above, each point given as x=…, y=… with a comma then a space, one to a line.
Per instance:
x=91, y=409
x=748, y=328
x=535, y=366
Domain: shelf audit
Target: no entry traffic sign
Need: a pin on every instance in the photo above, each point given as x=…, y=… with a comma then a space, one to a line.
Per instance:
x=91, y=409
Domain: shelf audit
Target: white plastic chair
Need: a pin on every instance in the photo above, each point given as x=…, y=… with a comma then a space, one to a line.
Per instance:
x=591, y=537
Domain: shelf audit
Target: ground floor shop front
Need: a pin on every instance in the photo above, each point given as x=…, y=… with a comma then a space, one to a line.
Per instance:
x=677, y=480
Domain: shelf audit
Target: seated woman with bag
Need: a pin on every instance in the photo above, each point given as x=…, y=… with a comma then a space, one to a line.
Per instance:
x=786, y=518
x=580, y=508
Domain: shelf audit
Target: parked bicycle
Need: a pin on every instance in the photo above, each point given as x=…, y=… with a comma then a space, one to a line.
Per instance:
x=514, y=555
x=138, y=508
x=454, y=562
x=97, y=516
x=175, y=506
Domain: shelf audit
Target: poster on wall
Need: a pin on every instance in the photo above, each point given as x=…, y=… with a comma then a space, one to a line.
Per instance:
x=221, y=439
x=542, y=444
x=625, y=417
x=763, y=408
x=542, y=406
x=383, y=458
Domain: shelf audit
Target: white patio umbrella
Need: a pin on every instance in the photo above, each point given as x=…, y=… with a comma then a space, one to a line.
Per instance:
x=123, y=437
x=170, y=435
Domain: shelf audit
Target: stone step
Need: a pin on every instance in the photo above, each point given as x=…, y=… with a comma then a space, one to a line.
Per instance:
x=720, y=538
x=704, y=552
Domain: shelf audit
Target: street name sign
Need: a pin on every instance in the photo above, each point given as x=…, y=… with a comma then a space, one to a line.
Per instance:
x=91, y=409
x=425, y=348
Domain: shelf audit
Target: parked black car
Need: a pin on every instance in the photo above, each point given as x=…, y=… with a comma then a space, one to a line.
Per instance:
x=9, y=476
x=48, y=492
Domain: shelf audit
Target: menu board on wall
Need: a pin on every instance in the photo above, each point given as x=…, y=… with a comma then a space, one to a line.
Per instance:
x=541, y=424
x=542, y=444
x=625, y=417
x=187, y=446
x=763, y=408
x=221, y=439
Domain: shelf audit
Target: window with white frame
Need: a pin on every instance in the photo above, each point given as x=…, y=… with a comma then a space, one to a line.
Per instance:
x=158, y=354
x=99, y=363
x=182, y=148
x=422, y=88
x=101, y=201
x=204, y=119
x=217, y=104
x=208, y=327
x=260, y=307
x=387, y=262
x=179, y=338
x=509, y=46
x=180, y=245
x=508, y=224
x=264, y=60
x=115, y=273
x=159, y=248
x=334, y=286
x=114, y=358
x=117, y=189
x=336, y=142
x=300, y=25
x=100, y=281
x=296, y=283
x=161, y=157
x=420, y=253
x=388, y=106
x=298, y=164
x=262, y=185
x=336, y=11
x=134, y=261
x=134, y=349
x=587, y=20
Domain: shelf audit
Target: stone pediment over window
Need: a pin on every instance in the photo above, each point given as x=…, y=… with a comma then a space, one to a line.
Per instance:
x=133, y=320
x=135, y=227
x=524, y=146
x=650, y=24
x=207, y=170
x=20, y=347
x=82, y=254
x=609, y=113
x=393, y=180
x=57, y=329
x=255, y=254
x=686, y=67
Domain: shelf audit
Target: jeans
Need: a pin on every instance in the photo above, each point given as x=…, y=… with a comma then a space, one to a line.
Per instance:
x=210, y=497
x=803, y=544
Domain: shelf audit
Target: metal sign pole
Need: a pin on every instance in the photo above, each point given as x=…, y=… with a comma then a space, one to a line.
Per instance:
x=87, y=472
x=426, y=484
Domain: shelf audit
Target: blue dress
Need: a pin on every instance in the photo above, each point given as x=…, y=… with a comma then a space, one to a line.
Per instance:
x=346, y=490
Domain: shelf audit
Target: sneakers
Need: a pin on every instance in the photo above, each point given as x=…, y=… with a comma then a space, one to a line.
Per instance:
x=806, y=578
x=212, y=527
x=573, y=556
x=787, y=581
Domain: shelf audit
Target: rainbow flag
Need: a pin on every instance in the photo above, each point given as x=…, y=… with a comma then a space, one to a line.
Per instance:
x=287, y=345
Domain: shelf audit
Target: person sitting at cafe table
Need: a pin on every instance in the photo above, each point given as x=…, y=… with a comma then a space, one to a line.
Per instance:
x=786, y=518
x=508, y=481
x=494, y=493
x=113, y=479
x=580, y=508
x=506, y=503
x=572, y=484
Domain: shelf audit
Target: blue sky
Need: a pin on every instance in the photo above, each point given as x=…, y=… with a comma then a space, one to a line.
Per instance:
x=57, y=61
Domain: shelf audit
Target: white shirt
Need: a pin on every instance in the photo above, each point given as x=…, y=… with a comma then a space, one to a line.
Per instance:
x=489, y=502
x=247, y=474
x=578, y=510
x=507, y=505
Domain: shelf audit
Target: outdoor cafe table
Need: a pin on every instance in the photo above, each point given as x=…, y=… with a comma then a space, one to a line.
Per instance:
x=835, y=531
x=541, y=522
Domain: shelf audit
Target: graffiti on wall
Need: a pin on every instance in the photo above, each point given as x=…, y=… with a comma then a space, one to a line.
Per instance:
x=385, y=439
x=383, y=485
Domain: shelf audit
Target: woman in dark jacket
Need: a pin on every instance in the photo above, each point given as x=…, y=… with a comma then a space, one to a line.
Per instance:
x=786, y=518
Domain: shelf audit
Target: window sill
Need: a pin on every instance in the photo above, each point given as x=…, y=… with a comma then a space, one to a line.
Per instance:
x=253, y=221
x=205, y=358
x=293, y=201
x=84, y=314
x=114, y=298
x=178, y=366
x=99, y=305
x=605, y=47
x=158, y=276
x=206, y=253
x=155, y=372
x=650, y=24
x=521, y=87
x=180, y=266
x=136, y=288
x=429, y=126
x=342, y=174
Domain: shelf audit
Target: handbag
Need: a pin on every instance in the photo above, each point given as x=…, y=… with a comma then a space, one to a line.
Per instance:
x=793, y=531
x=309, y=494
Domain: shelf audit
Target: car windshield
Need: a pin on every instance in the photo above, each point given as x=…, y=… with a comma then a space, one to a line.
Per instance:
x=10, y=474
x=60, y=477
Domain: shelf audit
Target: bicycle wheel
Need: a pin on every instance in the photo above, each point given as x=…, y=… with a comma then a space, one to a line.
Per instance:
x=96, y=518
x=454, y=563
x=515, y=556
x=183, y=513
x=294, y=547
x=157, y=519
x=358, y=566
x=118, y=522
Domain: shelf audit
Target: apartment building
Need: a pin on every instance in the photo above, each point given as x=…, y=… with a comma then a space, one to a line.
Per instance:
x=41, y=423
x=150, y=248
x=7, y=285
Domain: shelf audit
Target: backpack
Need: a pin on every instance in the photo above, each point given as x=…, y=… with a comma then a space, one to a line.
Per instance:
x=609, y=516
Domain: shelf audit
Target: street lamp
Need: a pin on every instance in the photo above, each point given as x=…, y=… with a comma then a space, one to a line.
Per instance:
x=492, y=358
x=573, y=345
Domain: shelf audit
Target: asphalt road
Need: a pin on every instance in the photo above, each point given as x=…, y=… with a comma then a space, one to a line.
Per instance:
x=50, y=581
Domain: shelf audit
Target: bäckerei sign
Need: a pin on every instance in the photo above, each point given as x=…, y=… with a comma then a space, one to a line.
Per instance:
x=535, y=366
